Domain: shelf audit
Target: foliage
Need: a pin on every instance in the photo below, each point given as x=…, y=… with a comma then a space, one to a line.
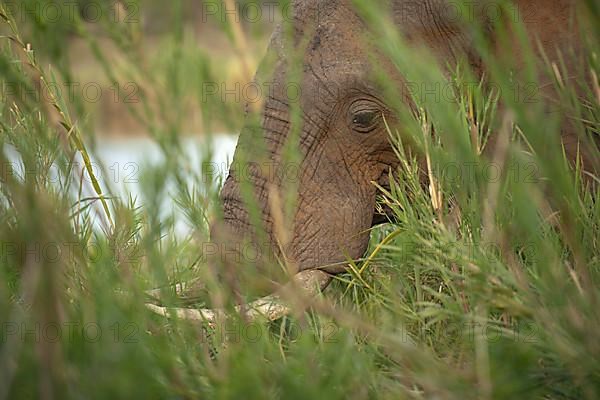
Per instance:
x=474, y=291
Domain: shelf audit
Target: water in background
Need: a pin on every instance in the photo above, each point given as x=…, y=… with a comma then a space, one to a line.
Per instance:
x=119, y=163
x=124, y=158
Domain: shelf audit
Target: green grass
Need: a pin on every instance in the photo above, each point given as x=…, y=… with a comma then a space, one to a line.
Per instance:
x=499, y=300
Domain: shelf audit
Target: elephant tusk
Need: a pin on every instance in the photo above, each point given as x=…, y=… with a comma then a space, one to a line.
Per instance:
x=303, y=285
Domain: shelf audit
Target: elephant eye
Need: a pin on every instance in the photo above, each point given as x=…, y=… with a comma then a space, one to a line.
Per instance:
x=364, y=117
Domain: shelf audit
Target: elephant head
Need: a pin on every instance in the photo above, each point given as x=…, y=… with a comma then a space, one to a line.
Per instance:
x=342, y=140
x=337, y=121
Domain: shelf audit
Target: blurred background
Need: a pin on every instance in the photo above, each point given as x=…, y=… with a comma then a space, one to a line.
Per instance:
x=142, y=79
x=151, y=49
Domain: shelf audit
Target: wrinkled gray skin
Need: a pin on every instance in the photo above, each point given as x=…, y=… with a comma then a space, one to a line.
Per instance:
x=343, y=141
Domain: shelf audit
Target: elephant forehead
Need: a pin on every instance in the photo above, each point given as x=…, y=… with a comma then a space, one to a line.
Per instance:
x=315, y=10
x=407, y=13
x=335, y=27
x=324, y=21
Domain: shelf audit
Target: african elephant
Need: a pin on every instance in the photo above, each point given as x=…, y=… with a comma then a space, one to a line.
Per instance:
x=343, y=140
